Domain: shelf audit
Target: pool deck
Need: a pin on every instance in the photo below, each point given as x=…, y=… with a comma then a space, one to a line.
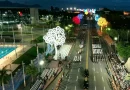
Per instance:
x=11, y=57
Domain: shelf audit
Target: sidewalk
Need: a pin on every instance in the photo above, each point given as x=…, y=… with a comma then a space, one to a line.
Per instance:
x=55, y=83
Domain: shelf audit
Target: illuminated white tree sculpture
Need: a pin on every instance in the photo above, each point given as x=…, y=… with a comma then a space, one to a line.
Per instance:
x=55, y=37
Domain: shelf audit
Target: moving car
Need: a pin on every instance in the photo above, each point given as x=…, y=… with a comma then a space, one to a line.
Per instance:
x=86, y=83
x=86, y=72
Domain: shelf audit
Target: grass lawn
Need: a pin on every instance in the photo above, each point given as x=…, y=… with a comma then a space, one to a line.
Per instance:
x=28, y=56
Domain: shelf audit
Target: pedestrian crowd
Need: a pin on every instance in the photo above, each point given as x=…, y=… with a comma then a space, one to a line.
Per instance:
x=120, y=74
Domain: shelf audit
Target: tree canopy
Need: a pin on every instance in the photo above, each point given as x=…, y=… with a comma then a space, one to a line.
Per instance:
x=123, y=50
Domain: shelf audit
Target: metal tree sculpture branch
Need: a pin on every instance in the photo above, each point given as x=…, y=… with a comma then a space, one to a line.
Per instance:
x=55, y=37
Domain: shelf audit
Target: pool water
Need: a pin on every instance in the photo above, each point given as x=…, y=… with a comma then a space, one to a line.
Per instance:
x=5, y=51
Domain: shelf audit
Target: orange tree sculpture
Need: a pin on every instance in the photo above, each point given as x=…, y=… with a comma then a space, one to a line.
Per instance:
x=102, y=22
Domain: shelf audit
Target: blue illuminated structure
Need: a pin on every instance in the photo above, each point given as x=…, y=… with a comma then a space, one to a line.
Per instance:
x=97, y=17
x=80, y=16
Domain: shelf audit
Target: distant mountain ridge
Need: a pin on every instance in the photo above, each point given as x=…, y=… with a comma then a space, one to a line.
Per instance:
x=4, y=4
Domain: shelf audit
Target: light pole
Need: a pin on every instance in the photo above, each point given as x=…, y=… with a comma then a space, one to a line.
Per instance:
x=24, y=74
x=118, y=37
x=22, y=34
x=43, y=41
x=127, y=36
x=32, y=32
x=12, y=78
x=14, y=41
x=115, y=38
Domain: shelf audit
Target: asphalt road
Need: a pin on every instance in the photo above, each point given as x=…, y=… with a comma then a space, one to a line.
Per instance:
x=75, y=77
x=98, y=75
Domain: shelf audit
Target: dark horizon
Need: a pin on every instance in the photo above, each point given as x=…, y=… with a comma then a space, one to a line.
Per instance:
x=77, y=4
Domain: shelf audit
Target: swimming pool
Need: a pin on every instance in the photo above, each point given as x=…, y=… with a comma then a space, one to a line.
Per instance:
x=5, y=51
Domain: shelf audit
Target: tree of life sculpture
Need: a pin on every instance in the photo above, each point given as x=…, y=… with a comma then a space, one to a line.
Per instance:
x=55, y=37
x=102, y=22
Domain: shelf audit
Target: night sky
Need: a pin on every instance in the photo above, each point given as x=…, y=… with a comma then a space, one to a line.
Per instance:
x=77, y=3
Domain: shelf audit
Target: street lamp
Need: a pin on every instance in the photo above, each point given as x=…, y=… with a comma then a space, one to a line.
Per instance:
x=41, y=64
x=70, y=25
x=70, y=8
x=14, y=41
x=66, y=28
x=115, y=38
x=74, y=8
x=32, y=32
x=23, y=65
x=21, y=29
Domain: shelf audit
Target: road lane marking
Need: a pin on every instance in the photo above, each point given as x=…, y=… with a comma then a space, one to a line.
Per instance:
x=77, y=78
x=66, y=88
x=101, y=69
x=104, y=88
x=75, y=87
x=78, y=69
x=94, y=78
x=95, y=88
x=94, y=69
x=87, y=52
x=99, y=63
x=68, y=78
x=102, y=79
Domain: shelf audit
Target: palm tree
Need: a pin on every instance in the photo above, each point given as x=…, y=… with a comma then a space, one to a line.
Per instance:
x=31, y=70
x=4, y=77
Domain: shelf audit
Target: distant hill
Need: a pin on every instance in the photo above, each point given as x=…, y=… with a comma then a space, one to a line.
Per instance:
x=6, y=4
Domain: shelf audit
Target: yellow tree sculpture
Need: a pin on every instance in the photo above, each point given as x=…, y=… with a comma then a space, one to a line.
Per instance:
x=102, y=22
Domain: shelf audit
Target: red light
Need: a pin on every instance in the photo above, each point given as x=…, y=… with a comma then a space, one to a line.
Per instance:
x=20, y=13
x=76, y=20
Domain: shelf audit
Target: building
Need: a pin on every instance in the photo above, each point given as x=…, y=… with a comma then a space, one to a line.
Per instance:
x=12, y=13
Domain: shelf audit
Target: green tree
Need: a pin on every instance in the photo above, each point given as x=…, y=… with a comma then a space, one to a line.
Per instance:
x=32, y=71
x=113, y=33
x=123, y=35
x=4, y=77
x=123, y=50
